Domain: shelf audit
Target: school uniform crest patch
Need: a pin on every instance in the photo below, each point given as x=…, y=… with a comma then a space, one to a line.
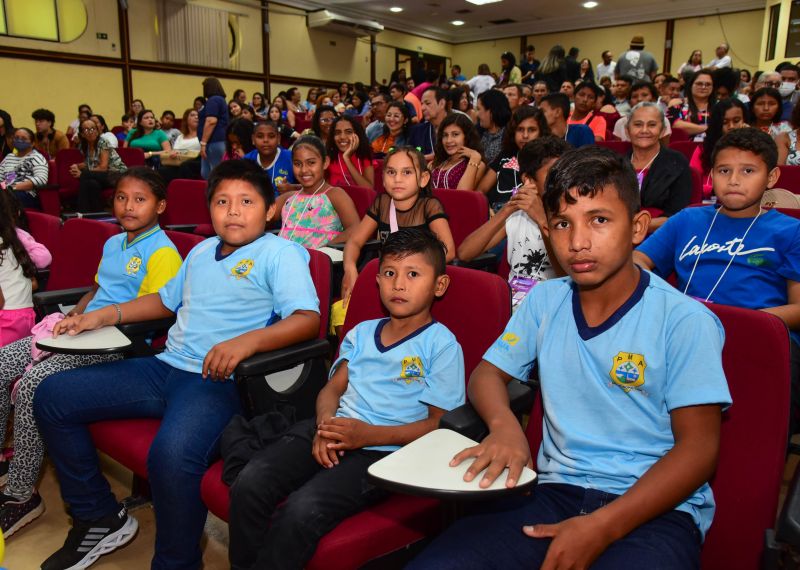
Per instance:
x=627, y=371
x=134, y=265
x=411, y=369
x=242, y=269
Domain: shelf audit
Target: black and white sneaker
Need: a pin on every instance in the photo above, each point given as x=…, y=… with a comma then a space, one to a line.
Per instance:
x=15, y=514
x=89, y=540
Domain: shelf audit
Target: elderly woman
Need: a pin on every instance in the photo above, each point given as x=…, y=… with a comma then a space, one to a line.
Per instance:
x=25, y=171
x=665, y=180
x=100, y=169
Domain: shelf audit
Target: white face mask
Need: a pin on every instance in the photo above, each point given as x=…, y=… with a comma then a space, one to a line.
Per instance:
x=787, y=88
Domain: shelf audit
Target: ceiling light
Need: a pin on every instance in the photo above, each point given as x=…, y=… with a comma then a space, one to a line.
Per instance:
x=395, y=9
x=482, y=2
x=590, y=4
x=457, y=22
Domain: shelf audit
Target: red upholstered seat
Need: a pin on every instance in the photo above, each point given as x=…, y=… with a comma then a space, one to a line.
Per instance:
x=184, y=242
x=378, y=165
x=620, y=147
x=67, y=183
x=186, y=203
x=466, y=211
x=400, y=520
x=131, y=156
x=44, y=228
x=77, y=253
x=362, y=197
x=686, y=148
x=789, y=178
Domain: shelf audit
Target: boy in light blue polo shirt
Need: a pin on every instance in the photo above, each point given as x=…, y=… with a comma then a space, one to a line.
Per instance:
x=393, y=380
x=237, y=294
x=632, y=386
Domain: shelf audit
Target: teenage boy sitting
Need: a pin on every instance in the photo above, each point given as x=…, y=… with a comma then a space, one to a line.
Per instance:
x=555, y=107
x=393, y=380
x=632, y=384
x=738, y=253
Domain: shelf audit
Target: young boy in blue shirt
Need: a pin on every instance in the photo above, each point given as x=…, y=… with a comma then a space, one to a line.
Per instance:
x=632, y=386
x=393, y=380
x=236, y=294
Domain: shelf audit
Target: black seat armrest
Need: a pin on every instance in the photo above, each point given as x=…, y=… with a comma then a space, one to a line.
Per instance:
x=132, y=330
x=60, y=297
x=466, y=421
x=266, y=362
x=186, y=228
x=485, y=261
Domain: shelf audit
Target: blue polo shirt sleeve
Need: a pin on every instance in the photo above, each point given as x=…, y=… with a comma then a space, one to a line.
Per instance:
x=172, y=293
x=444, y=381
x=694, y=358
x=515, y=351
x=790, y=258
x=345, y=350
x=290, y=279
x=660, y=246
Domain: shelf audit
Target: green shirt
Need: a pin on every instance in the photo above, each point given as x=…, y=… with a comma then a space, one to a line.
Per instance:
x=148, y=143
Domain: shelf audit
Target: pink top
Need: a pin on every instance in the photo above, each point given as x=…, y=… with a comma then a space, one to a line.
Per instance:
x=38, y=253
x=420, y=89
x=696, y=163
x=448, y=177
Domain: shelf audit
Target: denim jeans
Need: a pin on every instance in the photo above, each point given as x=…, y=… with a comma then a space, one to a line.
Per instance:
x=493, y=538
x=194, y=412
x=265, y=535
x=214, y=154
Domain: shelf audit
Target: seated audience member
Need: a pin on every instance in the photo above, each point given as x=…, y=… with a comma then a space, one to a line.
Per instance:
x=493, y=115
x=788, y=149
x=641, y=92
x=318, y=213
x=137, y=106
x=722, y=59
x=323, y=100
x=240, y=96
x=691, y=65
x=344, y=92
x=234, y=109
x=555, y=107
x=434, y=110
x=397, y=91
x=139, y=198
x=458, y=161
x=510, y=73
x=726, y=81
x=363, y=414
x=522, y=222
x=727, y=115
x=584, y=113
x=259, y=106
x=502, y=177
x=663, y=174
x=745, y=77
x=765, y=112
x=321, y=122
x=84, y=112
x=539, y=91
x=25, y=170
x=568, y=89
x=460, y=102
x=651, y=487
x=238, y=139
x=790, y=75
x=168, y=126
x=336, y=101
x=100, y=169
x=128, y=124
x=359, y=105
x=621, y=94
x=6, y=134
x=691, y=115
x=605, y=82
x=481, y=82
x=199, y=103
x=456, y=76
x=274, y=160
x=146, y=136
x=349, y=154
x=670, y=90
x=48, y=141
x=310, y=103
x=104, y=131
x=513, y=93
x=395, y=129
x=431, y=80
x=183, y=161
x=293, y=100
x=275, y=115
x=188, y=385
x=379, y=103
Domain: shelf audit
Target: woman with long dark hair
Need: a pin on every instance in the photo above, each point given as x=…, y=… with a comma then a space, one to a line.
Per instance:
x=212, y=125
x=493, y=114
x=692, y=115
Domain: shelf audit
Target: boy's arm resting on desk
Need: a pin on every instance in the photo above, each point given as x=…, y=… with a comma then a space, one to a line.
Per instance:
x=578, y=541
x=790, y=312
x=145, y=308
x=223, y=358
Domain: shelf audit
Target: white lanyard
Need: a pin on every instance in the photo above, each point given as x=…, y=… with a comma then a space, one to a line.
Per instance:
x=344, y=169
x=732, y=253
x=446, y=177
x=640, y=173
x=303, y=213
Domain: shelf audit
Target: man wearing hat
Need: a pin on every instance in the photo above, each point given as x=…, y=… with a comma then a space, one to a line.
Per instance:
x=636, y=62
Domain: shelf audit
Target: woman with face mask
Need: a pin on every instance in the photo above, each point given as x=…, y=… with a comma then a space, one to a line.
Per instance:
x=25, y=171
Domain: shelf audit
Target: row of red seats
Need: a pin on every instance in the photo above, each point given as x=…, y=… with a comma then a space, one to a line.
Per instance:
x=750, y=459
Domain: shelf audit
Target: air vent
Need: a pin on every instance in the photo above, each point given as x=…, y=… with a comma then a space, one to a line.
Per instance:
x=503, y=21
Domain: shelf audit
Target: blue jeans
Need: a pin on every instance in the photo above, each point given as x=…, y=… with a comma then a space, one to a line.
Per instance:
x=214, y=154
x=194, y=412
x=493, y=538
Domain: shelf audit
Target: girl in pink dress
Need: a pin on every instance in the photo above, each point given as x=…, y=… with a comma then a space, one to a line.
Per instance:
x=458, y=156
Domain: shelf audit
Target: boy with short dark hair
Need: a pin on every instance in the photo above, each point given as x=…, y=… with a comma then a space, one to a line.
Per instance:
x=393, y=380
x=632, y=385
x=555, y=107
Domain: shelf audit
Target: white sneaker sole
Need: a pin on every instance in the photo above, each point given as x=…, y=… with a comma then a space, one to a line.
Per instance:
x=109, y=544
x=26, y=520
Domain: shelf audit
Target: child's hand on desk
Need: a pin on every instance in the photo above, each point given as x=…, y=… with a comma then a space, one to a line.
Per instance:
x=222, y=360
x=324, y=455
x=73, y=325
x=347, y=433
x=500, y=449
x=577, y=542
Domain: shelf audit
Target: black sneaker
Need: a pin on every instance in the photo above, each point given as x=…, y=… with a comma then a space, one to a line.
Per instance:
x=15, y=514
x=89, y=540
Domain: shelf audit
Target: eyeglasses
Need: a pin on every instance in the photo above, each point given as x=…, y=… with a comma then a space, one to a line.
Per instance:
x=703, y=84
x=772, y=83
x=89, y=130
x=326, y=120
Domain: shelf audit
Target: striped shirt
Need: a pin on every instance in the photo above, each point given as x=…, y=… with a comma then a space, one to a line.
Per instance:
x=33, y=166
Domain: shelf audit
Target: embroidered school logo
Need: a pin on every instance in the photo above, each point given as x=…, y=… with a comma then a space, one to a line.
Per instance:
x=411, y=369
x=627, y=371
x=134, y=265
x=280, y=180
x=510, y=339
x=242, y=269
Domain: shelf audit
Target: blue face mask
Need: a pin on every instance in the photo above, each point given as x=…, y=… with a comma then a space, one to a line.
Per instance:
x=22, y=145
